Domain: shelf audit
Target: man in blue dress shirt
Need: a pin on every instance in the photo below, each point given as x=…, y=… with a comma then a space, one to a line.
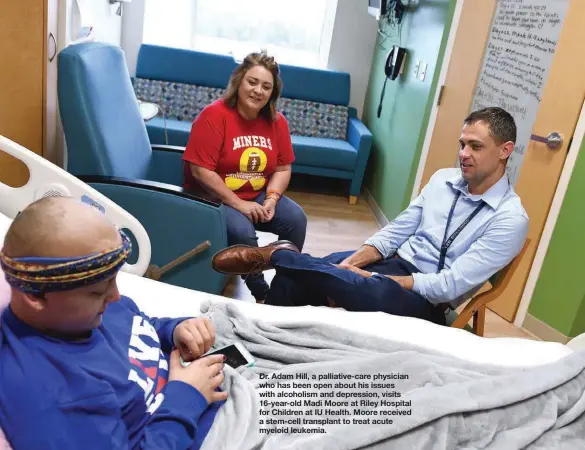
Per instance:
x=466, y=225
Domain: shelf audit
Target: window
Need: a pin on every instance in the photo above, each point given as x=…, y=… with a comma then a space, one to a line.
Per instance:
x=296, y=32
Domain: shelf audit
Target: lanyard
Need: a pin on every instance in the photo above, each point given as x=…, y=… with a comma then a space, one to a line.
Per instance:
x=447, y=242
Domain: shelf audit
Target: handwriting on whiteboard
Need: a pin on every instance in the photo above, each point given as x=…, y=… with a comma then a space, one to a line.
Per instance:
x=518, y=54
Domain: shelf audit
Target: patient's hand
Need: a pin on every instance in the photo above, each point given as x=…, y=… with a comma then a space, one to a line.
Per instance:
x=204, y=374
x=194, y=337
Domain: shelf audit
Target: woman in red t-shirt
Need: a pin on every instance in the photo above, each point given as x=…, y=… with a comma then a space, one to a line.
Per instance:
x=240, y=152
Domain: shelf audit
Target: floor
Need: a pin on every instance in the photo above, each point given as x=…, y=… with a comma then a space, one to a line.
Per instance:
x=334, y=225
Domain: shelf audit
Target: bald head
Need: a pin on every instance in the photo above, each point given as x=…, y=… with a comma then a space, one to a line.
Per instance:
x=59, y=227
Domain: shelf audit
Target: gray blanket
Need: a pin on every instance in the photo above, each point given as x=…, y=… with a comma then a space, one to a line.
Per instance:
x=420, y=399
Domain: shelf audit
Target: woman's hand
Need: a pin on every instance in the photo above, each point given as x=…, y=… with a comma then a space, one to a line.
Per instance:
x=270, y=207
x=253, y=211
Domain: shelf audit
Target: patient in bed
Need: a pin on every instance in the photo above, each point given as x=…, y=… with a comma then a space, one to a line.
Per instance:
x=466, y=225
x=81, y=366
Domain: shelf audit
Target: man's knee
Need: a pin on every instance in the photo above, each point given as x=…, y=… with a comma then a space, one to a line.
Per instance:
x=337, y=257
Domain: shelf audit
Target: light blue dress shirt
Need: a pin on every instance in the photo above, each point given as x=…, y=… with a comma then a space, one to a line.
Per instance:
x=486, y=245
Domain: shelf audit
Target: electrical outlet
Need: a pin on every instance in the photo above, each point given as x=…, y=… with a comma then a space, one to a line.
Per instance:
x=422, y=71
x=416, y=67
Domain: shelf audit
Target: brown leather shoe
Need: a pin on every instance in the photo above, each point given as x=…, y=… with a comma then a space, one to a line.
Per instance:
x=244, y=260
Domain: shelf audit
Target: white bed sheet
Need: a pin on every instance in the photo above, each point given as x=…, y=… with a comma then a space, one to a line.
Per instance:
x=162, y=300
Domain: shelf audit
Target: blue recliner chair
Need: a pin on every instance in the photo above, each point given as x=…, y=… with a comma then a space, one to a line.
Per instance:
x=108, y=148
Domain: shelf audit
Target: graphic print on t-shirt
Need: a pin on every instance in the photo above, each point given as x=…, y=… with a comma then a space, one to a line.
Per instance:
x=149, y=368
x=253, y=161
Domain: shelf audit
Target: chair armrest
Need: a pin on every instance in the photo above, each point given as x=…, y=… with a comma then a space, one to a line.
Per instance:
x=358, y=135
x=471, y=308
x=498, y=281
x=361, y=139
x=176, y=222
x=146, y=184
x=166, y=164
x=168, y=148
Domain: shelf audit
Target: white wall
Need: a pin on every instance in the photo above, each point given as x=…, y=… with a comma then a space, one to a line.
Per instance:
x=107, y=27
x=352, y=46
x=73, y=14
x=132, y=27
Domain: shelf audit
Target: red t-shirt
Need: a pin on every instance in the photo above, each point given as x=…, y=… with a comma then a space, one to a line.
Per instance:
x=243, y=152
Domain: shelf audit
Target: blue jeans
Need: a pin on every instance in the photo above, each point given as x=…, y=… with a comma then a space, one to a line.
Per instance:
x=289, y=223
x=304, y=280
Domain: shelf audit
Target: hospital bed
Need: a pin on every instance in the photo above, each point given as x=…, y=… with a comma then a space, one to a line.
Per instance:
x=160, y=299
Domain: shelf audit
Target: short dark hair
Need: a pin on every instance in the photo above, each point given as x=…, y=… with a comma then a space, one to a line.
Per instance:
x=500, y=122
x=252, y=60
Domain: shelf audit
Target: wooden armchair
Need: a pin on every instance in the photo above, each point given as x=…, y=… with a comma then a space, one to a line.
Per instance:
x=476, y=306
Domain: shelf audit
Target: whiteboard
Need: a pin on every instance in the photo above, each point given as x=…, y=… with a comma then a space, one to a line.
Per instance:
x=518, y=54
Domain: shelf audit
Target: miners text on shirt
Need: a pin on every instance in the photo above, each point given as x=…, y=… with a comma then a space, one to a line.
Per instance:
x=252, y=141
x=148, y=361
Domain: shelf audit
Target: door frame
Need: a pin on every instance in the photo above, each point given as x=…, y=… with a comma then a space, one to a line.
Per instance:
x=551, y=219
x=562, y=186
x=435, y=108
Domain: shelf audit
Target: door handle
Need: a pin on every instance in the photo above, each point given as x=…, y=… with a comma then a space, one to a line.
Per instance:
x=52, y=37
x=553, y=141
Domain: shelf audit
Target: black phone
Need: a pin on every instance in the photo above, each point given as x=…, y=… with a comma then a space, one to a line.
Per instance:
x=394, y=62
x=392, y=68
x=236, y=355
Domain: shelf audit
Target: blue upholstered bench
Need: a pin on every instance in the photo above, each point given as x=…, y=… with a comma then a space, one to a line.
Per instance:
x=328, y=139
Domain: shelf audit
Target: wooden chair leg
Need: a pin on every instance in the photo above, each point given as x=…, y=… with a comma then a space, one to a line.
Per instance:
x=352, y=199
x=479, y=321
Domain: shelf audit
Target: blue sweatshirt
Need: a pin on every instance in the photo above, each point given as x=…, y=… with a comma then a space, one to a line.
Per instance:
x=109, y=391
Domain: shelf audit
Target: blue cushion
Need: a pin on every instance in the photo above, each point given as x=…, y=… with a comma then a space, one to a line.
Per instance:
x=179, y=101
x=184, y=66
x=315, y=119
x=322, y=172
x=177, y=131
x=184, y=102
x=321, y=152
x=324, y=86
x=209, y=69
x=309, y=151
